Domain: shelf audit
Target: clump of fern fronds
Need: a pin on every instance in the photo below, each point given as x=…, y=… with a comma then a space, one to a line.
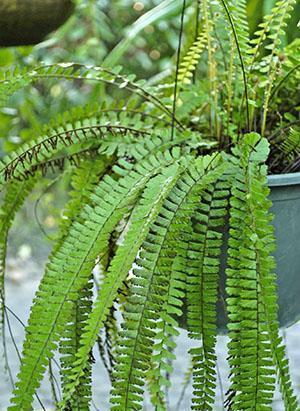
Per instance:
x=152, y=190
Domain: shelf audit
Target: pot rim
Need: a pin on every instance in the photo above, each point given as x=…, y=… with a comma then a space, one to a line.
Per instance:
x=288, y=179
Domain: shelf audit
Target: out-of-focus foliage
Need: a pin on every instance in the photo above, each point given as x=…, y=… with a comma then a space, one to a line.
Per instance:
x=91, y=36
x=140, y=35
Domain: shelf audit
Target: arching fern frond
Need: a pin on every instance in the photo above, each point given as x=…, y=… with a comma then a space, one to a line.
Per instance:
x=32, y=156
x=71, y=265
x=84, y=180
x=149, y=291
x=13, y=81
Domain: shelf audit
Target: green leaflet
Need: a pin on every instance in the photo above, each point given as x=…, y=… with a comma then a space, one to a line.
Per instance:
x=71, y=265
x=149, y=290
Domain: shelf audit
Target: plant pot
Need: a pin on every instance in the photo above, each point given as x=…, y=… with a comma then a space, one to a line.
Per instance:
x=285, y=195
x=24, y=22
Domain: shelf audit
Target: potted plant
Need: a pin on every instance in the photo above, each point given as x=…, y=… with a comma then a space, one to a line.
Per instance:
x=26, y=22
x=155, y=184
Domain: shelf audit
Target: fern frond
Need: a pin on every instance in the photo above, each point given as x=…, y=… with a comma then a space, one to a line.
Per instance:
x=138, y=227
x=69, y=346
x=15, y=80
x=191, y=60
x=271, y=63
x=208, y=26
x=203, y=267
x=252, y=306
x=271, y=28
x=149, y=290
x=84, y=180
x=163, y=349
x=291, y=145
x=34, y=155
x=71, y=265
x=238, y=10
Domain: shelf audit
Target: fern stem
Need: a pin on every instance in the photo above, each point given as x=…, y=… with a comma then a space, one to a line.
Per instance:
x=245, y=81
x=177, y=69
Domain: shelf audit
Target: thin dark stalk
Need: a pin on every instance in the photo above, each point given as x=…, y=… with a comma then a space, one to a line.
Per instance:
x=196, y=31
x=23, y=325
x=18, y=352
x=183, y=391
x=54, y=384
x=5, y=353
x=241, y=61
x=177, y=69
x=36, y=205
x=3, y=325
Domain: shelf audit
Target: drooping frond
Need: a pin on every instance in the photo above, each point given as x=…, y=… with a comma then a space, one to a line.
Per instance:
x=84, y=180
x=149, y=291
x=255, y=348
x=203, y=266
x=70, y=266
x=138, y=227
x=69, y=346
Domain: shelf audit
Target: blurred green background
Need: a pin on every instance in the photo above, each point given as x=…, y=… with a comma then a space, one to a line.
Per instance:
x=142, y=36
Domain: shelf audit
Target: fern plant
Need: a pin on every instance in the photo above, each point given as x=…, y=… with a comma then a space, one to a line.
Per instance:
x=154, y=179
